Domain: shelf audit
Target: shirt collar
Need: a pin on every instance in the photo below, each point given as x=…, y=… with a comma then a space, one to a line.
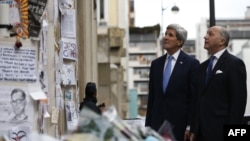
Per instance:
x=219, y=53
x=175, y=55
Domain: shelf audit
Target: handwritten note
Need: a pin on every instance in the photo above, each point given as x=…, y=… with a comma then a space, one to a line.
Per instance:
x=68, y=48
x=68, y=74
x=18, y=65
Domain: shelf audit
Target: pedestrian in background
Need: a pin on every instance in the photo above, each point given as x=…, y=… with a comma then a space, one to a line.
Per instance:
x=90, y=99
x=171, y=84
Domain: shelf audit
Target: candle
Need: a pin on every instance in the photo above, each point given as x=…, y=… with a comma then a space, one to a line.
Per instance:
x=4, y=19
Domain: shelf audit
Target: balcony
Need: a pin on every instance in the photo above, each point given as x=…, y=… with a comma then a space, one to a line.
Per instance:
x=139, y=64
x=140, y=77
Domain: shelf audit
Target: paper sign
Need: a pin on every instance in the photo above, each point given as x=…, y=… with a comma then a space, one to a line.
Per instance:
x=68, y=22
x=68, y=74
x=17, y=65
x=55, y=115
x=36, y=92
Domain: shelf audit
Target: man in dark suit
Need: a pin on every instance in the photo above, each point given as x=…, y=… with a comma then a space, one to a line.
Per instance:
x=222, y=92
x=172, y=101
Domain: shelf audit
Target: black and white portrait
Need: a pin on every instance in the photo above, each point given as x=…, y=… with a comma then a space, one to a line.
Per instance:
x=18, y=103
x=16, y=107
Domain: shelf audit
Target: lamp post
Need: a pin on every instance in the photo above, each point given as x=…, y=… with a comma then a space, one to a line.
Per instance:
x=174, y=9
x=212, y=13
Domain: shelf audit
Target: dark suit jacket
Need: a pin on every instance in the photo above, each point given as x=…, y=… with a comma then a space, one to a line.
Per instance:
x=174, y=104
x=223, y=99
x=91, y=104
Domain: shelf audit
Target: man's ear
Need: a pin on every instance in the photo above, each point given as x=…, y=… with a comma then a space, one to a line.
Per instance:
x=223, y=40
x=180, y=42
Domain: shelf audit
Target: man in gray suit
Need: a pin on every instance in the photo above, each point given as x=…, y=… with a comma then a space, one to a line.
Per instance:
x=171, y=84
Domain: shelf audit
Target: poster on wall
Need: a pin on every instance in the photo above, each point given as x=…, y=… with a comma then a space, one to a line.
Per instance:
x=71, y=115
x=68, y=94
x=68, y=74
x=36, y=9
x=14, y=16
x=25, y=16
x=66, y=4
x=16, y=107
x=68, y=22
x=17, y=65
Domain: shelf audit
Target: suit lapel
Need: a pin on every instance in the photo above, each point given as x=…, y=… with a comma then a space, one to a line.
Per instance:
x=203, y=70
x=177, y=67
x=160, y=71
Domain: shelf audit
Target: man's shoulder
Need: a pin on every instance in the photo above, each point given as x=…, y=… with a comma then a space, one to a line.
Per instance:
x=91, y=105
x=189, y=57
x=160, y=58
x=182, y=53
x=232, y=59
x=88, y=103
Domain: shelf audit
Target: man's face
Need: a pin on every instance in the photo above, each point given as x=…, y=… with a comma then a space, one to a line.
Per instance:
x=213, y=40
x=18, y=103
x=170, y=41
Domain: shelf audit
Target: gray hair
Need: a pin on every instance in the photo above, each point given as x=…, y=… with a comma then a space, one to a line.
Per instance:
x=181, y=33
x=224, y=33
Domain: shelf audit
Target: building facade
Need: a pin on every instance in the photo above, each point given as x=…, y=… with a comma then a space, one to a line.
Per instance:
x=112, y=36
x=143, y=48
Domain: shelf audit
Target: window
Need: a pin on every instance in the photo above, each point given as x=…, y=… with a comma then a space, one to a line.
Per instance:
x=101, y=9
x=143, y=100
x=131, y=5
x=142, y=72
x=102, y=12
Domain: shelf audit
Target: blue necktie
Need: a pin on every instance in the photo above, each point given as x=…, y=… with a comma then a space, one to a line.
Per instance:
x=167, y=73
x=210, y=67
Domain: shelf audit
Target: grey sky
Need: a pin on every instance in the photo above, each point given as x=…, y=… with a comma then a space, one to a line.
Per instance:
x=148, y=12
